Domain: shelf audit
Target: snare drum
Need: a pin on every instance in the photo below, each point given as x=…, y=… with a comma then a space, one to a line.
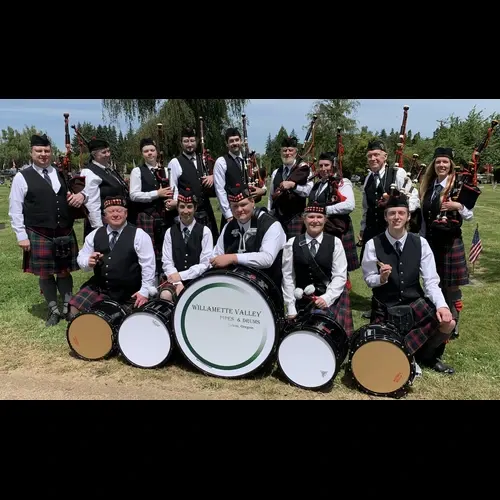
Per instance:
x=312, y=351
x=92, y=334
x=145, y=336
x=227, y=322
x=380, y=362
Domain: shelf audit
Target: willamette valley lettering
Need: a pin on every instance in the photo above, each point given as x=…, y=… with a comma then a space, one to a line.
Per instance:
x=227, y=310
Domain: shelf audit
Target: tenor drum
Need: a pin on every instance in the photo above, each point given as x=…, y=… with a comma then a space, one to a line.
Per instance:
x=380, y=362
x=92, y=334
x=145, y=336
x=227, y=321
x=312, y=351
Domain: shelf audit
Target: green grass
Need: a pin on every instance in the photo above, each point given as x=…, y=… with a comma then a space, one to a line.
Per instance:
x=475, y=355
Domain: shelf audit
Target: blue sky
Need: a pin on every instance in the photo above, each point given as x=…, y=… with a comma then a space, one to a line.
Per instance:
x=265, y=115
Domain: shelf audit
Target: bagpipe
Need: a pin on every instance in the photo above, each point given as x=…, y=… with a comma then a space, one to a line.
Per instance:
x=162, y=177
x=254, y=178
x=416, y=169
x=464, y=189
x=74, y=183
x=206, y=159
x=301, y=170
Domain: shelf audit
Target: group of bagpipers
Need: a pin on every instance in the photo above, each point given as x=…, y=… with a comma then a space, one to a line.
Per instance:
x=158, y=230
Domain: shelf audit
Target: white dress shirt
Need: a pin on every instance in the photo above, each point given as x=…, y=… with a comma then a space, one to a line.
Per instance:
x=303, y=191
x=428, y=271
x=400, y=180
x=18, y=192
x=272, y=243
x=343, y=207
x=145, y=252
x=334, y=287
x=136, y=193
x=176, y=171
x=466, y=214
x=207, y=246
x=93, y=195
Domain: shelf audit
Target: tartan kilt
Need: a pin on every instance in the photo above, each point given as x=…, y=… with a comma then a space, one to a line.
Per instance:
x=425, y=324
x=86, y=297
x=451, y=264
x=41, y=260
x=351, y=252
x=341, y=312
x=147, y=223
x=293, y=227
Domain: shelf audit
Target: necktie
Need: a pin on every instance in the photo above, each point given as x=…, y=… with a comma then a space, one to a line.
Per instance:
x=186, y=234
x=397, y=245
x=376, y=179
x=313, y=248
x=437, y=191
x=46, y=176
x=114, y=237
x=285, y=173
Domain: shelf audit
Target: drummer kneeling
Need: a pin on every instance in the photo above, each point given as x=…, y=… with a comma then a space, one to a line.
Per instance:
x=319, y=259
x=122, y=258
x=187, y=248
x=393, y=263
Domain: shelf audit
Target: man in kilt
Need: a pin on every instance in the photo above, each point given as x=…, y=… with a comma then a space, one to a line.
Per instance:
x=393, y=264
x=337, y=194
x=251, y=238
x=122, y=258
x=42, y=219
x=445, y=240
x=153, y=204
x=188, y=169
x=101, y=181
x=317, y=258
x=187, y=248
x=290, y=180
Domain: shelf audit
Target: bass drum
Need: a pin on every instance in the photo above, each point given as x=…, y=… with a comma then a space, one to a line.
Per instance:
x=91, y=334
x=145, y=336
x=227, y=322
x=380, y=362
x=312, y=351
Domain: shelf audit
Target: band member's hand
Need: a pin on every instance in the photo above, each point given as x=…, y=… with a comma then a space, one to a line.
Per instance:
x=94, y=259
x=174, y=278
x=225, y=260
x=288, y=185
x=178, y=289
x=170, y=204
x=256, y=191
x=75, y=200
x=139, y=299
x=361, y=235
x=165, y=192
x=208, y=181
x=451, y=205
x=229, y=220
x=385, y=272
x=444, y=315
x=25, y=245
x=291, y=317
x=320, y=303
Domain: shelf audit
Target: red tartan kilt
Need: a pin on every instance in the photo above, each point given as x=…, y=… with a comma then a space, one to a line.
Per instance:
x=341, y=312
x=294, y=227
x=41, y=260
x=351, y=252
x=425, y=324
x=451, y=264
x=146, y=223
x=85, y=298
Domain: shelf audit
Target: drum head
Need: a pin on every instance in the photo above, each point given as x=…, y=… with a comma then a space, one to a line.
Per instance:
x=381, y=367
x=307, y=359
x=144, y=340
x=224, y=326
x=90, y=336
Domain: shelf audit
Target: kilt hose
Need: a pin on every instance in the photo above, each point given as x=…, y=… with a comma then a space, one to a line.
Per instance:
x=41, y=259
x=425, y=323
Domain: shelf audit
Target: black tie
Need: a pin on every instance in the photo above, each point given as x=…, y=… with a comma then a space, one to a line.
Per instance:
x=313, y=249
x=186, y=234
x=285, y=173
x=437, y=191
x=46, y=176
x=398, y=248
x=114, y=237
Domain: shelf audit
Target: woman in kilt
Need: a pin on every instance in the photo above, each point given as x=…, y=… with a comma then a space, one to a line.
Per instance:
x=155, y=214
x=339, y=202
x=317, y=258
x=445, y=240
x=393, y=264
x=42, y=219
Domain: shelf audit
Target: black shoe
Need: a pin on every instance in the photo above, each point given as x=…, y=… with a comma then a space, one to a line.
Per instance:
x=440, y=367
x=454, y=335
x=53, y=319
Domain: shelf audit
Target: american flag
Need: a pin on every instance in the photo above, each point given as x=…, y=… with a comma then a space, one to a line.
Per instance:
x=476, y=247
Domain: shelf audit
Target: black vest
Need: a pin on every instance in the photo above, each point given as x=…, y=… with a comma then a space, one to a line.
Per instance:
x=42, y=207
x=403, y=286
x=191, y=177
x=120, y=274
x=110, y=185
x=325, y=197
x=149, y=183
x=306, y=271
x=253, y=244
x=186, y=255
x=234, y=173
x=289, y=203
x=375, y=221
